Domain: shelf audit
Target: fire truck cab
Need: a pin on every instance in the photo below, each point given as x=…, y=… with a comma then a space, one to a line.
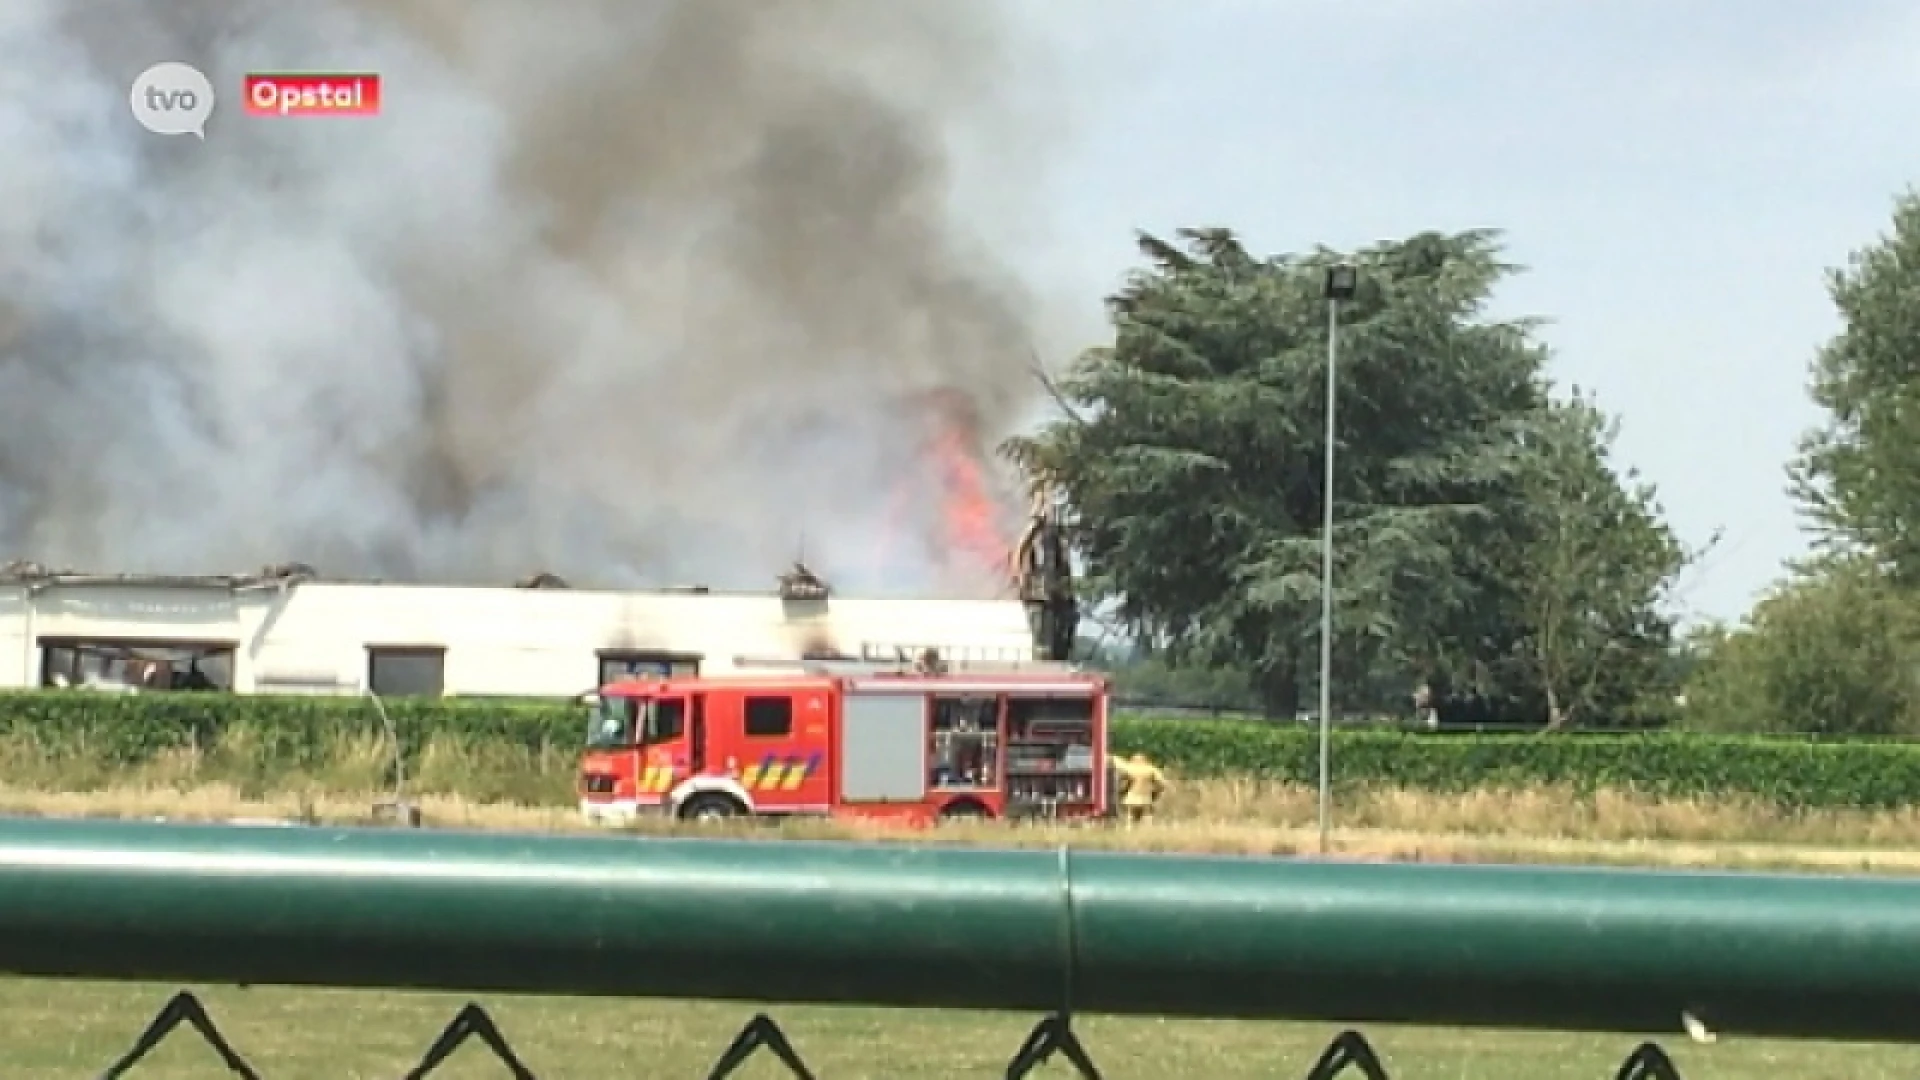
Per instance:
x=894, y=745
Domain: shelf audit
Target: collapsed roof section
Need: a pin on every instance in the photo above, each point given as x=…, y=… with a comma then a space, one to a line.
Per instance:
x=801, y=583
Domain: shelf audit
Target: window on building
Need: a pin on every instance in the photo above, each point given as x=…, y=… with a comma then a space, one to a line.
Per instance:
x=136, y=665
x=410, y=671
x=618, y=664
x=769, y=717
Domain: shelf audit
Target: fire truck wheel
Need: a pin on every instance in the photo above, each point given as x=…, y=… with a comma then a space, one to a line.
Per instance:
x=709, y=806
x=964, y=810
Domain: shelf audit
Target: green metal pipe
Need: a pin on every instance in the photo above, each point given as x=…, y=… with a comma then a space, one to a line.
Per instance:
x=534, y=913
x=914, y=926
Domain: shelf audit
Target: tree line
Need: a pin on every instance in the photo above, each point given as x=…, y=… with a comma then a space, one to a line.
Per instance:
x=1492, y=562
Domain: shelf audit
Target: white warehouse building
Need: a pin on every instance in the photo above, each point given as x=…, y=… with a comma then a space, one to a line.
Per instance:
x=287, y=631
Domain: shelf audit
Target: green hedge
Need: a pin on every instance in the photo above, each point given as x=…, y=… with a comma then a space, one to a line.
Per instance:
x=1792, y=773
x=294, y=730
x=298, y=732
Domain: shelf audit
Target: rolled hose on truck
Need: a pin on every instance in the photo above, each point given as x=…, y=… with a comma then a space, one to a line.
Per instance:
x=1033, y=930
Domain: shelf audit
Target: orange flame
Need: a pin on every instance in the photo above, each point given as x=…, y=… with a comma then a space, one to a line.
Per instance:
x=970, y=534
x=967, y=510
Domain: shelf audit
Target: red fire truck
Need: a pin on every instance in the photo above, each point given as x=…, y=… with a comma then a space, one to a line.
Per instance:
x=894, y=745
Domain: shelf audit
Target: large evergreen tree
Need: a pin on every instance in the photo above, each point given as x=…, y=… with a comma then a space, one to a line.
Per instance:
x=1194, y=466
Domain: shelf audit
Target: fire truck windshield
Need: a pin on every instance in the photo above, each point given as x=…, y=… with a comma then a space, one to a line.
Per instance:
x=624, y=721
x=610, y=724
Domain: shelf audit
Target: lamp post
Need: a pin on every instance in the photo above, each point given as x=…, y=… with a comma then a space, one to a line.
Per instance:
x=1341, y=282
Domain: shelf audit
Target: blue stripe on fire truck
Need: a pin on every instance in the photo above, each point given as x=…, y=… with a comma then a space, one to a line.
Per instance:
x=798, y=771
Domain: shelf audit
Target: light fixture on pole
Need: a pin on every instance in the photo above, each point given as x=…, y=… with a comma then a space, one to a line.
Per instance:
x=1342, y=280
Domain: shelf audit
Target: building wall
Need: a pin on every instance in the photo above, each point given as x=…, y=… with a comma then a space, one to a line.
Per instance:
x=314, y=637
x=15, y=661
x=141, y=613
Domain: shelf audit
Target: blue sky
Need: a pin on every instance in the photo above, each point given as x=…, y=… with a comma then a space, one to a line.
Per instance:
x=1676, y=175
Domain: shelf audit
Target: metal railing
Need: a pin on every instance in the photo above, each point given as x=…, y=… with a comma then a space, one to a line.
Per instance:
x=1055, y=934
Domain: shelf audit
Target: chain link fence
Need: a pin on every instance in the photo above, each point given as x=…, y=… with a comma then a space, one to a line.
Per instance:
x=1348, y=1057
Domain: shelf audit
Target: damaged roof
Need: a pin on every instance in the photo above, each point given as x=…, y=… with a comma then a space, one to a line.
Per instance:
x=801, y=582
x=28, y=572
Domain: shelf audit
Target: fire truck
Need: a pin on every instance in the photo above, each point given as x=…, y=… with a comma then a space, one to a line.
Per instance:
x=906, y=746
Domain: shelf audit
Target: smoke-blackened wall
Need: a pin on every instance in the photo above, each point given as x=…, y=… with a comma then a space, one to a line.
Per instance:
x=627, y=290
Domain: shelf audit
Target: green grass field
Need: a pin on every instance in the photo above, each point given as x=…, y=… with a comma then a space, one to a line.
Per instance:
x=75, y=1029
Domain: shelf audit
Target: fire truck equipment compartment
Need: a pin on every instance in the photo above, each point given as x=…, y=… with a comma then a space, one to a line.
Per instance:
x=1034, y=930
x=883, y=751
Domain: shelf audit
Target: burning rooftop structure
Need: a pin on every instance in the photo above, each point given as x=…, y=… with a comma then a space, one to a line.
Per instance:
x=948, y=508
x=972, y=524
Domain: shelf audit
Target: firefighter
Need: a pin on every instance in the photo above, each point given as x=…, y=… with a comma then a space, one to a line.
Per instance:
x=1142, y=784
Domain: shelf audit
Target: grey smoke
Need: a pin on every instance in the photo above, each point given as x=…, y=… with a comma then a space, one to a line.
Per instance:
x=629, y=290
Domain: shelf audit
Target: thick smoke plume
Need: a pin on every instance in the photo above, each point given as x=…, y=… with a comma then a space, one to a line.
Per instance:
x=634, y=291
